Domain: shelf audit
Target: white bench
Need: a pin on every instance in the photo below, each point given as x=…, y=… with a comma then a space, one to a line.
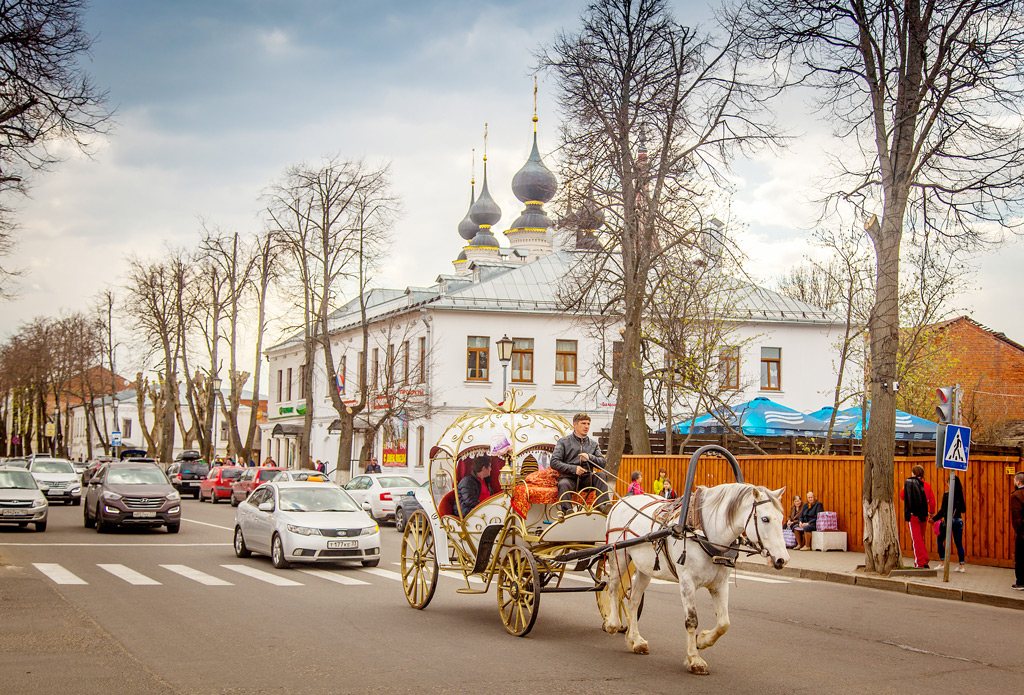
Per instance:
x=828, y=540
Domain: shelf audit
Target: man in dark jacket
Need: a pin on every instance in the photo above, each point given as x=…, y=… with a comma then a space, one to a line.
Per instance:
x=577, y=457
x=475, y=487
x=918, y=503
x=1017, y=521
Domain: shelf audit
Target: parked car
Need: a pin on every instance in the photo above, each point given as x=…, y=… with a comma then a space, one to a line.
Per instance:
x=17, y=463
x=297, y=476
x=405, y=505
x=217, y=483
x=135, y=494
x=305, y=522
x=59, y=477
x=94, y=466
x=21, y=499
x=186, y=475
x=251, y=479
x=376, y=492
x=80, y=467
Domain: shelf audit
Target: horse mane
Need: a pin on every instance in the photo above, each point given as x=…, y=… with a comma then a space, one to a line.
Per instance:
x=731, y=496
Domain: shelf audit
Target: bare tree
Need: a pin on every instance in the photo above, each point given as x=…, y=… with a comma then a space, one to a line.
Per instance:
x=629, y=78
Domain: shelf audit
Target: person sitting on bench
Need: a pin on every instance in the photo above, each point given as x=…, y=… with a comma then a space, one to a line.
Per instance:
x=475, y=487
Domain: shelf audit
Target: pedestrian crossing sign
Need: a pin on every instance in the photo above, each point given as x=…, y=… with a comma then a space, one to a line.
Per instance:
x=956, y=448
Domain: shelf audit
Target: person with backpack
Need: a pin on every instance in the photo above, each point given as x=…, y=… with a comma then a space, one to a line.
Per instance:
x=918, y=505
x=635, y=487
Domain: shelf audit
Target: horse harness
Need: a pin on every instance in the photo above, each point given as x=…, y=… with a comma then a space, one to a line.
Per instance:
x=667, y=512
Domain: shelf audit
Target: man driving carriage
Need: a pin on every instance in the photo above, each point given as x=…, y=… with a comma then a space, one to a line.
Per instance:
x=576, y=456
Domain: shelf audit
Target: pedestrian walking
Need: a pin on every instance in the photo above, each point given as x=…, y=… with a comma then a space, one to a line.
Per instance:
x=918, y=503
x=959, y=509
x=1017, y=521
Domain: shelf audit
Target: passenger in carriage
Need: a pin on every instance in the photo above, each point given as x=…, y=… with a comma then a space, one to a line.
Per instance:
x=475, y=487
x=577, y=457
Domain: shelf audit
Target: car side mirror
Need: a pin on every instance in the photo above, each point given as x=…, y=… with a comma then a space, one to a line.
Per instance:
x=44, y=488
x=366, y=505
x=266, y=506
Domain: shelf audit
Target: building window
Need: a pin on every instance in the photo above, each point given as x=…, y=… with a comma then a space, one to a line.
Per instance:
x=289, y=383
x=375, y=379
x=390, y=373
x=729, y=368
x=405, y=362
x=280, y=381
x=341, y=374
x=423, y=360
x=617, y=348
x=224, y=431
x=419, y=437
x=771, y=369
x=302, y=381
x=476, y=354
x=522, y=359
x=361, y=366
x=565, y=361
x=126, y=429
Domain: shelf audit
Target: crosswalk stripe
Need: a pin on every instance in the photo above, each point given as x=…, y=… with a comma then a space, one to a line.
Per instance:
x=387, y=574
x=129, y=575
x=335, y=577
x=57, y=574
x=763, y=580
x=261, y=575
x=196, y=575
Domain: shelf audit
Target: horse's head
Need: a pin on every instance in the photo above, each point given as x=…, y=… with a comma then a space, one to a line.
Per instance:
x=764, y=525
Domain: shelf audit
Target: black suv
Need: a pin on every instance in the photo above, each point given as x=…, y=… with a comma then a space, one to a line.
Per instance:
x=186, y=472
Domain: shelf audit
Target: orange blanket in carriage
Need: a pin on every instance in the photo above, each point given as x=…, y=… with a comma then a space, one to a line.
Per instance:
x=540, y=487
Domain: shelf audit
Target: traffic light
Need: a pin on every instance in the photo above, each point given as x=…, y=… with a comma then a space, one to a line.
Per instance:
x=944, y=410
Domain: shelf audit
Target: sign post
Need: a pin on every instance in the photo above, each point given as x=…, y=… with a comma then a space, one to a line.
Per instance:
x=956, y=452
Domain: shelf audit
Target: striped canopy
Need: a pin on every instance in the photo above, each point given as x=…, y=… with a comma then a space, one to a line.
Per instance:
x=849, y=424
x=760, y=417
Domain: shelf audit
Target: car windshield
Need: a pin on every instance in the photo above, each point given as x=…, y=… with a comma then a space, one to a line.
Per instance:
x=52, y=467
x=231, y=474
x=319, y=499
x=397, y=481
x=269, y=475
x=17, y=480
x=136, y=476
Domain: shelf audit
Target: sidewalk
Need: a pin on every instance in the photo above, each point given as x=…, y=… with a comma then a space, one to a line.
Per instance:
x=979, y=584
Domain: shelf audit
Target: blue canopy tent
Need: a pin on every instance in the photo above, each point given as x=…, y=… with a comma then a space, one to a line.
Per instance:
x=849, y=424
x=760, y=417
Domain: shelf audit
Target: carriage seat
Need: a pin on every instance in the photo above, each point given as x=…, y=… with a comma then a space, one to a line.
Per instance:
x=540, y=487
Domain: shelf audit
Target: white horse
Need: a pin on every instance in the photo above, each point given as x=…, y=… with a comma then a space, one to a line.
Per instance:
x=728, y=512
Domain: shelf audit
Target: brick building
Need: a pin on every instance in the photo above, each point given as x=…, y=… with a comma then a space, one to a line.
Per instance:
x=990, y=368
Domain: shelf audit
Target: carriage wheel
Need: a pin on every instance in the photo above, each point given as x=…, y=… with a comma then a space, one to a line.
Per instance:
x=604, y=600
x=419, y=561
x=518, y=591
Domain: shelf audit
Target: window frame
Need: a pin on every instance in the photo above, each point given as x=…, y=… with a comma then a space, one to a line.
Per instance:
x=518, y=356
x=729, y=365
x=563, y=355
x=405, y=362
x=483, y=350
x=289, y=383
x=423, y=360
x=766, y=370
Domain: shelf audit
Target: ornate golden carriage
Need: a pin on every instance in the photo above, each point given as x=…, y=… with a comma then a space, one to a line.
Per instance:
x=513, y=537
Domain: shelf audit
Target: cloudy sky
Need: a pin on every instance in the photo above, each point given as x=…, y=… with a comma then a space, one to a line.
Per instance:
x=215, y=99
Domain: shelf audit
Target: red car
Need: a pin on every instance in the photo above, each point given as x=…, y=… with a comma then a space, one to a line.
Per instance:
x=251, y=479
x=217, y=484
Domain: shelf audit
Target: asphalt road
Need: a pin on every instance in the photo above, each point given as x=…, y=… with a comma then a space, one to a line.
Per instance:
x=350, y=630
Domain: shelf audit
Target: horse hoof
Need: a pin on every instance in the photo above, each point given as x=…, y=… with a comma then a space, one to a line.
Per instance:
x=699, y=668
x=611, y=629
x=641, y=648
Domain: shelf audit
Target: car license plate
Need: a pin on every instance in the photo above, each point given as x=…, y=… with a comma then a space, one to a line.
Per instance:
x=144, y=515
x=195, y=484
x=15, y=512
x=342, y=544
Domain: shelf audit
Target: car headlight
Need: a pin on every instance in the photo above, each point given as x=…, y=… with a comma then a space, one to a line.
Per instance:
x=75, y=489
x=39, y=503
x=369, y=530
x=108, y=495
x=304, y=530
x=173, y=496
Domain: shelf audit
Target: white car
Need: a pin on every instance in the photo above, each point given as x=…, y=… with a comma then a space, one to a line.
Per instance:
x=21, y=500
x=59, y=476
x=305, y=522
x=377, y=492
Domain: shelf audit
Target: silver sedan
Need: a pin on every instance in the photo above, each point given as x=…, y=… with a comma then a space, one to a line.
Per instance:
x=305, y=522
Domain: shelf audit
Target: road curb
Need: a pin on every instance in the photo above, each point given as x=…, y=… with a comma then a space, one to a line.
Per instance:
x=902, y=586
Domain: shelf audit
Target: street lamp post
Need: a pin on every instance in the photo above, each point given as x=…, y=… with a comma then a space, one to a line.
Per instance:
x=211, y=417
x=504, y=356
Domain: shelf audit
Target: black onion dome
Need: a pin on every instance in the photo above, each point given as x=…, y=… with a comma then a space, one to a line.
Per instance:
x=468, y=228
x=590, y=216
x=485, y=211
x=462, y=256
x=534, y=182
x=484, y=238
x=533, y=217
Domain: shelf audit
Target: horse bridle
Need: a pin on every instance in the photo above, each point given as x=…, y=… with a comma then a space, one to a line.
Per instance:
x=759, y=547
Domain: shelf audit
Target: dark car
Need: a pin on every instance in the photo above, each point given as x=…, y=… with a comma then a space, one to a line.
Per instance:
x=405, y=505
x=135, y=494
x=186, y=475
x=251, y=479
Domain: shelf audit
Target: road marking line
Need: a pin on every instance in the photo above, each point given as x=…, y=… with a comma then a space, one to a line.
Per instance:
x=261, y=575
x=196, y=575
x=193, y=521
x=129, y=575
x=335, y=577
x=387, y=574
x=58, y=574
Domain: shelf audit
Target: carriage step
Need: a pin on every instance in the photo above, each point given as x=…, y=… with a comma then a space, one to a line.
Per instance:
x=465, y=590
x=572, y=589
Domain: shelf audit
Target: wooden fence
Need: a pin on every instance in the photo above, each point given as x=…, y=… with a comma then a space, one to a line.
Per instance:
x=837, y=482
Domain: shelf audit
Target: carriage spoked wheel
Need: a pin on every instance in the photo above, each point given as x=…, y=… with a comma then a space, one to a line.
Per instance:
x=605, y=601
x=518, y=591
x=419, y=561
